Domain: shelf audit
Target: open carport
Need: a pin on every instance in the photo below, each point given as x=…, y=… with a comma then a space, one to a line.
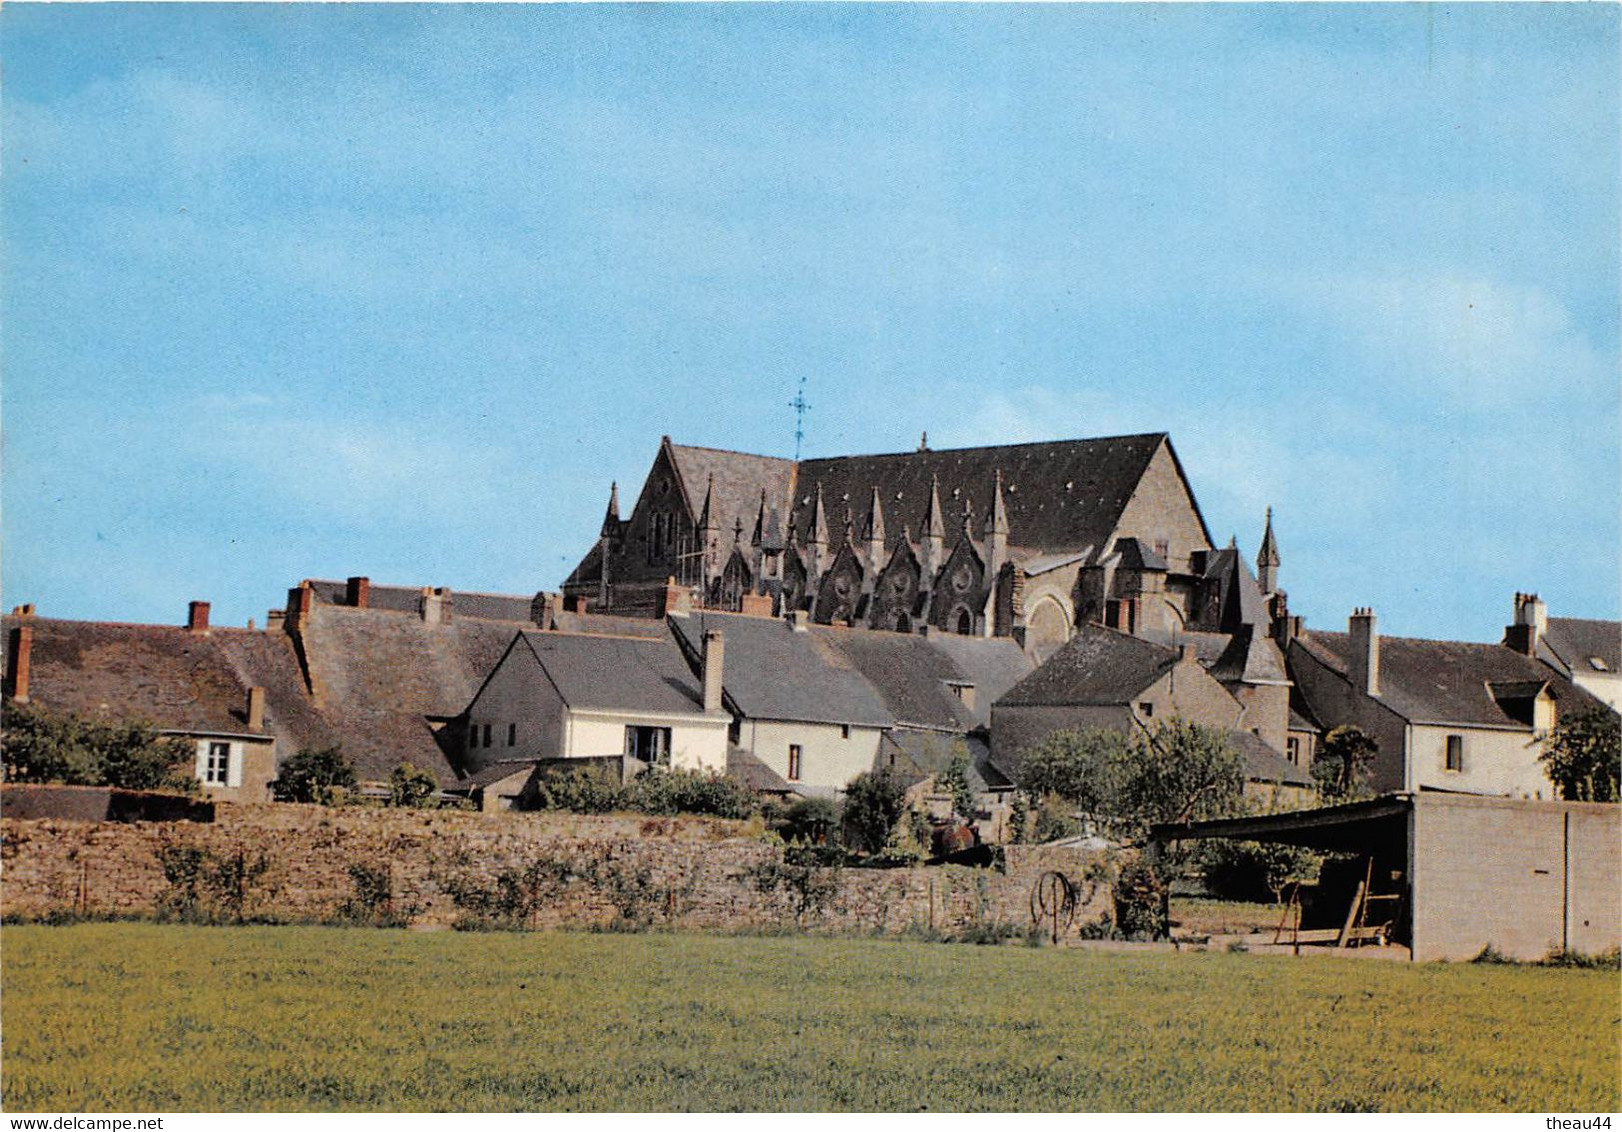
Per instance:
x=1463, y=872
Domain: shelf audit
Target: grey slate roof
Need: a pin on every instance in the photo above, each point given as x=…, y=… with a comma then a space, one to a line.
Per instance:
x=634, y=674
x=773, y=672
x=913, y=674
x=383, y=680
x=495, y=772
x=756, y=775
x=407, y=599
x=924, y=754
x=167, y=676
x=1059, y=495
x=1448, y=681
x=1571, y=644
x=1263, y=764
x=1096, y=666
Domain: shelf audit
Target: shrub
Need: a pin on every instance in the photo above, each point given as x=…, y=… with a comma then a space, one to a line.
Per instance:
x=1140, y=901
x=314, y=776
x=874, y=803
x=45, y=746
x=581, y=790
x=814, y=821
x=1255, y=871
x=1583, y=756
x=410, y=788
x=207, y=888
x=668, y=792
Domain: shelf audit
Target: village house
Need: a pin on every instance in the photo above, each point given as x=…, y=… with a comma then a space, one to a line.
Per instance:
x=1586, y=652
x=1446, y=715
x=564, y=696
x=234, y=694
x=796, y=707
x=1103, y=679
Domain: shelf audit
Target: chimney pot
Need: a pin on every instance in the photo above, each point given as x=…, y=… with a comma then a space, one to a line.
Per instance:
x=197, y=617
x=256, y=709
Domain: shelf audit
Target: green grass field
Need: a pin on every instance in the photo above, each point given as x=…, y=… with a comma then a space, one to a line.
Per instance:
x=142, y=1017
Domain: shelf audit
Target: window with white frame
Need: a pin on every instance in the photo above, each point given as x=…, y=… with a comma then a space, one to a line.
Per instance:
x=217, y=764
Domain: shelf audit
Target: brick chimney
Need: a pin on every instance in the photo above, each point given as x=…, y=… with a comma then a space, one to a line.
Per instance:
x=358, y=593
x=197, y=617
x=714, y=657
x=300, y=600
x=1363, y=665
x=19, y=660
x=256, y=709
x=677, y=601
x=1187, y=653
x=1531, y=622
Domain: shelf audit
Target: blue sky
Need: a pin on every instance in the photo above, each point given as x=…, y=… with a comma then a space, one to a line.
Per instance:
x=311, y=291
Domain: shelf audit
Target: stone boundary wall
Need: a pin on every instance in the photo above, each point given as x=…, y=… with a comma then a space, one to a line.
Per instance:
x=586, y=871
x=38, y=801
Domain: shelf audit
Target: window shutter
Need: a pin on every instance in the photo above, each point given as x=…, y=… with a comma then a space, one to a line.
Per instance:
x=233, y=765
x=202, y=760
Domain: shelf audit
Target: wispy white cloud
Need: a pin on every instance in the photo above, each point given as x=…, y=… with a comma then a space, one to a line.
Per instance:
x=1478, y=342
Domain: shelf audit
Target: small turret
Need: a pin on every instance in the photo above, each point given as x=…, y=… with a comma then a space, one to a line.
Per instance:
x=1267, y=560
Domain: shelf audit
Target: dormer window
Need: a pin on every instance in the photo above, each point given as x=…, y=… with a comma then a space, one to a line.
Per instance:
x=963, y=691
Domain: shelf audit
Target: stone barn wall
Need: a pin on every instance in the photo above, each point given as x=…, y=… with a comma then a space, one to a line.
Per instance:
x=575, y=870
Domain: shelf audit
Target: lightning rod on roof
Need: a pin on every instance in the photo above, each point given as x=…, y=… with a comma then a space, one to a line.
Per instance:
x=799, y=405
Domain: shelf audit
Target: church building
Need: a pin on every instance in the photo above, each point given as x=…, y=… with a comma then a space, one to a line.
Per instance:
x=1025, y=540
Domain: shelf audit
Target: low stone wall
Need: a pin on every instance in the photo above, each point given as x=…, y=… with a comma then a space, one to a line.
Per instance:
x=541, y=869
x=34, y=802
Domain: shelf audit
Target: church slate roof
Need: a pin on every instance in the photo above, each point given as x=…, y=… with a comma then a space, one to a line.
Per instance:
x=630, y=674
x=1448, y=682
x=1059, y=495
x=1572, y=644
x=735, y=481
x=771, y=671
x=1096, y=666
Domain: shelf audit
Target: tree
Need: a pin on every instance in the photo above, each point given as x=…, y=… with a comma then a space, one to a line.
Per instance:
x=1341, y=769
x=874, y=802
x=314, y=776
x=1077, y=766
x=45, y=746
x=956, y=783
x=1177, y=772
x=1583, y=756
x=411, y=788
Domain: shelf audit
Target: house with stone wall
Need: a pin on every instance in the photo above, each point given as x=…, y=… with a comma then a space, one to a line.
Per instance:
x=1446, y=715
x=233, y=694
